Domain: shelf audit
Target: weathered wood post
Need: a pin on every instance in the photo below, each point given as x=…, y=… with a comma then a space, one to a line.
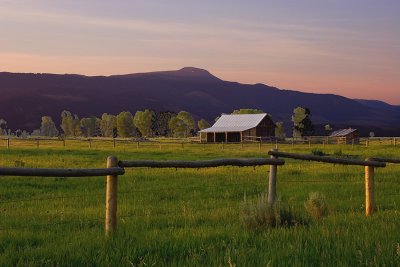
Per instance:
x=222, y=147
x=394, y=141
x=369, y=190
x=37, y=143
x=272, y=181
x=114, y=142
x=63, y=142
x=111, y=198
x=90, y=143
x=276, y=144
x=241, y=145
x=366, y=142
x=8, y=142
x=293, y=141
x=259, y=145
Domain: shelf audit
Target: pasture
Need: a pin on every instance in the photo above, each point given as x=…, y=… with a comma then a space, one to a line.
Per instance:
x=191, y=217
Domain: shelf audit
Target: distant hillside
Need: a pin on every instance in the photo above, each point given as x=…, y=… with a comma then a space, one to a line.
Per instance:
x=24, y=98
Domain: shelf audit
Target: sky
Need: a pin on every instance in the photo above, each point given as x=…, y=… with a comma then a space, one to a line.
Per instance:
x=345, y=47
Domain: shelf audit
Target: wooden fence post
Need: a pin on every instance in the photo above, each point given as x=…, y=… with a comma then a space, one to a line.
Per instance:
x=309, y=142
x=37, y=143
x=366, y=142
x=114, y=142
x=293, y=141
x=241, y=145
x=8, y=142
x=137, y=145
x=394, y=141
x=111, y=197
x=259, y=145
x=272, y=181
x=63, y=142
x=369, y=190
x=90, y=143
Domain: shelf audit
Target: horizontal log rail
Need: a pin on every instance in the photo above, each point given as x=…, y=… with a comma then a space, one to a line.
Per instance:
x=43, y=172
x=333, y=160
x=201, y=163
x=386, y=160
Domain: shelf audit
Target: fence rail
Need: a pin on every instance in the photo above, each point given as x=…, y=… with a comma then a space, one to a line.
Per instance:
x=61, y=172
x=328, y=159
x=201, y=164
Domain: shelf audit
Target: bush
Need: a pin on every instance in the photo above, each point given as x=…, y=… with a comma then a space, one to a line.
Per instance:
x=317, y=152
x=316, y=206
x=258, y=214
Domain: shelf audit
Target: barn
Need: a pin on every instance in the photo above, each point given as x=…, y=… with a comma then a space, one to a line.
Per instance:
x=237, y=127
x=346, y=136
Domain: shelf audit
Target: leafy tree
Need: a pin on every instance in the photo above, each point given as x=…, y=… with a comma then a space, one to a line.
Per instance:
x=90, y=126
x=247, y=111
x=76, y=126
x=70, y=125
x=280, y=130
x=182, y=124
x=3, y=127
x=302, y=124
x=108, y=125
x=143, y=121
x=203, y=124
x=160, y=122
x=35, y=132
x=66, y=122
x=328, y=128
x=48, y=128
x=125, y=126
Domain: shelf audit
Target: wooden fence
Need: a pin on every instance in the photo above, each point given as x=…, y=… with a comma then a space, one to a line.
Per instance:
x=159, y=143
x=116, y=167
x=370, y=164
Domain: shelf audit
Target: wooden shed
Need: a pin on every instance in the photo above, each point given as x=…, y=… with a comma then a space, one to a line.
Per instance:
x=238, y=127
x=346, y=136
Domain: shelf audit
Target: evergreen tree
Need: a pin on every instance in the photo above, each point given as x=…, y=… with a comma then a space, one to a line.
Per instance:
x=302, y=124
x=160, y=122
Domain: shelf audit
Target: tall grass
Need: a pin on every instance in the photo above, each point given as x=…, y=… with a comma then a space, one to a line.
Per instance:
x=190, y=217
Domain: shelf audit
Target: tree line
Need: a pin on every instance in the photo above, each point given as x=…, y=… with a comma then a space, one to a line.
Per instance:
x=146, y=123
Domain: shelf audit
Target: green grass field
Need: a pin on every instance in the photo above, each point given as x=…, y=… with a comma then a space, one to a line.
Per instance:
x=191, y=217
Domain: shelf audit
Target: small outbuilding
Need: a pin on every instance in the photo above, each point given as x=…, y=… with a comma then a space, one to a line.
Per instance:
x=238, y=127
x=346, y=136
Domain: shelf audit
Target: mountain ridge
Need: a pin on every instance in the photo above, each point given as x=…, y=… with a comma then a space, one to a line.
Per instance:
x=192, y=89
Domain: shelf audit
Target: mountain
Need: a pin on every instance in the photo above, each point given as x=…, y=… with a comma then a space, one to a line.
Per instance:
x=25, y=97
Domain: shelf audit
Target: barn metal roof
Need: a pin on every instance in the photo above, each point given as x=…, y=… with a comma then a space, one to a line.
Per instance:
x=235, y=123
x=342, y=132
